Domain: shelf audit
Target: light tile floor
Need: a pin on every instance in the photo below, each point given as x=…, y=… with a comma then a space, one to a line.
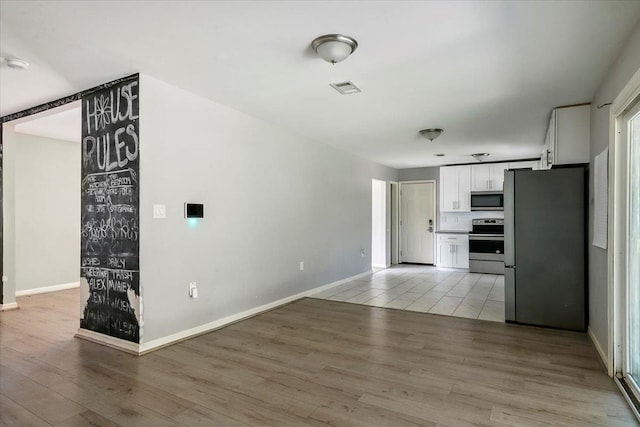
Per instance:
x=426, y=289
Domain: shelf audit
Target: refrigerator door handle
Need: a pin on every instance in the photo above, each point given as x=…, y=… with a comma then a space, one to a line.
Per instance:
x=509, y=218
x=510, y=293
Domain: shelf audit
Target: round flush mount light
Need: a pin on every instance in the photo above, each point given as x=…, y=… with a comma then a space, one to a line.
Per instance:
x=16, y=63
x=480, y=156
x=431, y=134
x=334, y=48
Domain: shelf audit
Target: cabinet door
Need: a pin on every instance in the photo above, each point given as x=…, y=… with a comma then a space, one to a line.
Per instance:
x=480, y=177
x=550, y=142
x=461, y=255
x=571, y=142
x=464, y=188
x=448, y=188
x=455, y=188
x=445, y=254
x=497, y=176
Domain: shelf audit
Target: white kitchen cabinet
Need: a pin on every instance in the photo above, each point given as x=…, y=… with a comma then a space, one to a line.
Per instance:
x=453, y=250
x=488, y=176
x=567, y=140
x=455, y=188
x=529, y=164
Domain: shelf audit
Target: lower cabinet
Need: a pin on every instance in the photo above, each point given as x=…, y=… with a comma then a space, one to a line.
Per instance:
x=453, y=250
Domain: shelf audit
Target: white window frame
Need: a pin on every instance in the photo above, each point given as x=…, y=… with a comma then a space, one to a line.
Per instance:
x=618, y=225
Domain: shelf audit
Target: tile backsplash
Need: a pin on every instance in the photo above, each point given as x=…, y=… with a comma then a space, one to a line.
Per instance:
x=461, y=221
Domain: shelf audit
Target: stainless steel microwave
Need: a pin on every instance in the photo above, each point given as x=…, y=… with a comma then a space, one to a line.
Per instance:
x=487, y=201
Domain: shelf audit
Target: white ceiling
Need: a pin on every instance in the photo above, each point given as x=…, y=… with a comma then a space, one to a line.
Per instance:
x=60, y=124
x=487, y=72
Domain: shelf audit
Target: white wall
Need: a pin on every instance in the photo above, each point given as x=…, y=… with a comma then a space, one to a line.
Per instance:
x=8, y=215
x=378, y=223
x=42, y=245
x=627, y=63
x=272, y=199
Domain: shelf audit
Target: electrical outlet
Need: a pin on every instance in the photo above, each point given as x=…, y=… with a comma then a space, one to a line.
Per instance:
x=301, y=265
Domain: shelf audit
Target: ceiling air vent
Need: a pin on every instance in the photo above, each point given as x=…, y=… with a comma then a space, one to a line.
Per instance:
x=346, y=88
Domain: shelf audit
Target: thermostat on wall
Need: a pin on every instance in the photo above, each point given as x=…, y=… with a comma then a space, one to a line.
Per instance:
x=193, y=210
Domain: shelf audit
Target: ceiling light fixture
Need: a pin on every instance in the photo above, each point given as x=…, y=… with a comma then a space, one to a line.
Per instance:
x=431, y=134
x=480, y=156
x=16, y=63
x=334, y=47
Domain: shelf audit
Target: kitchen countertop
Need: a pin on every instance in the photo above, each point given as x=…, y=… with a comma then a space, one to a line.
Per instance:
x=453, y=232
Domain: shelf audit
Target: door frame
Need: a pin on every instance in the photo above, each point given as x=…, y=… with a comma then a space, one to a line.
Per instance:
x=617, y=234
x=394, y=222
x=617, y=228
x=435, y=216
x=25, y=113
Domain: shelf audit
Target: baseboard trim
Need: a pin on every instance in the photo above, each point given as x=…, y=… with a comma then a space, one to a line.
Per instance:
x=9, y=306
x=599, y=350
x=47, y=289
x=109, y=341
x=159, y=343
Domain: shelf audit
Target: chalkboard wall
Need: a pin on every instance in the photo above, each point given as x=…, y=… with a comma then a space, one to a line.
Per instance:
x=110, y=220
x=1, y=223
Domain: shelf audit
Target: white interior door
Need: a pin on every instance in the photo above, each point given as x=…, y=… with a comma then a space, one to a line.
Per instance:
x=417, y=222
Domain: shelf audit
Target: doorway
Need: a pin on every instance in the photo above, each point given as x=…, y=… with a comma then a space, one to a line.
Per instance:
x=394, y=206
x=42, y=202
x=417, y=222
x=378, y=224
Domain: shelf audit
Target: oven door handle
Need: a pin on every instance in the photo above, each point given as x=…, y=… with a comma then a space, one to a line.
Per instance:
x=491, y=237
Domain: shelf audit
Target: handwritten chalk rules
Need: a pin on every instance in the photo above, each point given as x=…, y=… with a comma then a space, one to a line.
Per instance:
x=110, y=138
x=117, y=105
x=108, y=154
x=110, y=210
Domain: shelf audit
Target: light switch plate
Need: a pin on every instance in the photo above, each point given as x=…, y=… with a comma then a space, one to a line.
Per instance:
x=159, y=211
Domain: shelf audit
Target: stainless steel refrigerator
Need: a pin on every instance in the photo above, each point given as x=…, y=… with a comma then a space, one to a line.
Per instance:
x=544, y=247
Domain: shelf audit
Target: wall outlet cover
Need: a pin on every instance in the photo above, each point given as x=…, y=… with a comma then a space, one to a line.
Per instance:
x=159, y=211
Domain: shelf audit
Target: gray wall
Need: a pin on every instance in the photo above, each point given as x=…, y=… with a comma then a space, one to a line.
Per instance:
x=42, y=234
x=272, y=199
x=427, y=173
x=47, y=212
x=619, y=74
x=417, y=174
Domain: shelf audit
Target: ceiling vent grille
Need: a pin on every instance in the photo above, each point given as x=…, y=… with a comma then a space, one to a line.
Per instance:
x=346, y=88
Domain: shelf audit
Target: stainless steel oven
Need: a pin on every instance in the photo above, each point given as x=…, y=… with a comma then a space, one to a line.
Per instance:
x=487, y=201
x=486, y=246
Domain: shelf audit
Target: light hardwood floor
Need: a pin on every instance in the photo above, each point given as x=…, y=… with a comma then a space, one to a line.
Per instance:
x=312, y=362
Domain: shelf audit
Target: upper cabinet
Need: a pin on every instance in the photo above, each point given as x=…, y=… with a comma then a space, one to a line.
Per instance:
x=457, y=182
x=455, y=189
x=567, y=140
x=488, y=177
